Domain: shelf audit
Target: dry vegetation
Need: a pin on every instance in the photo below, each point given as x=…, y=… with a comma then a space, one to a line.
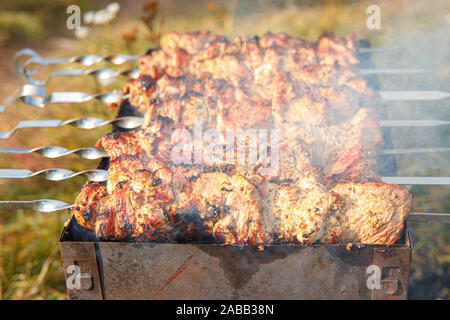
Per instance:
x=30, y=266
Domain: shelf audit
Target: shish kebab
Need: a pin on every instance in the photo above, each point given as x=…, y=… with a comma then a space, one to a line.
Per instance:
x=117, y=59
x=35, y=96
x=48, y=205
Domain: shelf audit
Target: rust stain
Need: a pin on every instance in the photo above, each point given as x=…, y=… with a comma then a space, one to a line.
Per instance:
x=174, y=275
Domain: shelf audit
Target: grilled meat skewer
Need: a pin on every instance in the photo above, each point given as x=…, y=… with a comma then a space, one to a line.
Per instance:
x=47, y=205
x=98, y=153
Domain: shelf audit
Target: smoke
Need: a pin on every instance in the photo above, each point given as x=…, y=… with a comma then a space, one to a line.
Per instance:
x=415, y=34
x=420, y=42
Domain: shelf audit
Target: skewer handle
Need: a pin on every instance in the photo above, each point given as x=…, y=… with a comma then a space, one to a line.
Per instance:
x=82, y=123
x=86, y=60
x=99, y=74
x=429, y=217
x=55, y=174
x=57, y=152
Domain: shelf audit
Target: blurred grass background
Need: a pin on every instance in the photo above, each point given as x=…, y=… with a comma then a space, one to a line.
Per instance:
x=30, y=265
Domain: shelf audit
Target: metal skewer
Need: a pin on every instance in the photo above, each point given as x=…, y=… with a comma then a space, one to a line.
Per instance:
x=102, y=175
x=36, y=96
x=393, y=71
x=44, y=205
x=54, y=174
x=117, y=59
x=99, y=74
x=411, y=150
x=376, y=49
x=48, y=205
x=413, y=95
x=412, y=123
x=429, y=217
x=86, y=60
x=417, y=180
x=82, y=123
x=57, y=152
x=107, y=73
x=98, y=153
x=135, y=122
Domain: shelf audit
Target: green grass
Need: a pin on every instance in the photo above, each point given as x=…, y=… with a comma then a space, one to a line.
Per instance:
x=30, y=264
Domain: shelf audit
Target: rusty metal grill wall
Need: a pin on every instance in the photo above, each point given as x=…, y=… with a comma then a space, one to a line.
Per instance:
x=121, y=270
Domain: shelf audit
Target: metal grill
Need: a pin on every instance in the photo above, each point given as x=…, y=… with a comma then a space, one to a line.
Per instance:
x=210, y=271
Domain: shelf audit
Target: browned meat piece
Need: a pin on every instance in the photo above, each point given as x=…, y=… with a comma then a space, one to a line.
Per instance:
x=170, y=107
x=335, y=50
x=155, y=140
x=264, y=74
x=105, y=227
x=243, y=114
x=342, y=104
x=326, y=77
x=122, y=169
x=120, y=143
x=124, y=220
x=192, y=42
x=353, y=165
x=305, y=109
x=295, y=161
x=194, y=108
x=282, y=40
x=299, y=56
x=88, y=203
x=167, y=86
x=303, y=210
x=227, y=67
x=169, y=60
x=150, y=193
x=140, y=91
x=372, y=212
x=367, y=213
x=230, y=206
x=253, y=54
x=316, y=75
